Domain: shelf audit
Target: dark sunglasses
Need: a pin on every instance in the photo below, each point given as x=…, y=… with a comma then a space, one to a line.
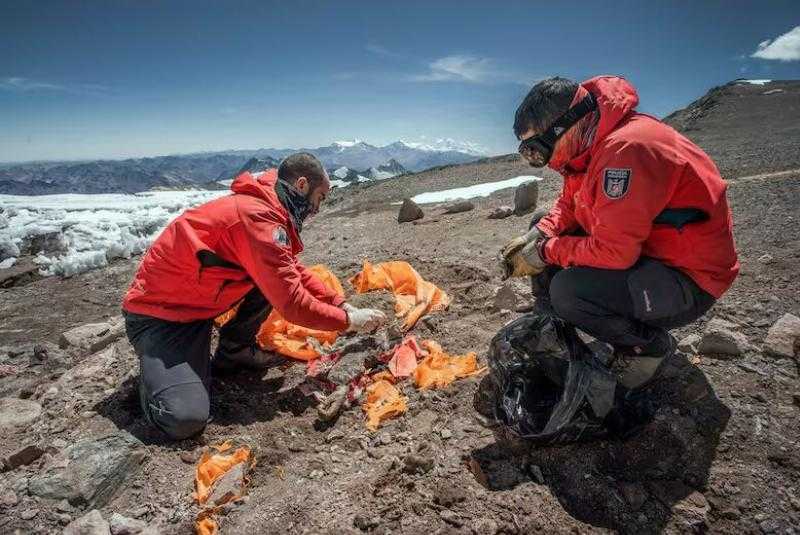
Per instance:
x=544, y=142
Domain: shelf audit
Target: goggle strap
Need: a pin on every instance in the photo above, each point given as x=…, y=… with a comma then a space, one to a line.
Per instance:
x=566, y=121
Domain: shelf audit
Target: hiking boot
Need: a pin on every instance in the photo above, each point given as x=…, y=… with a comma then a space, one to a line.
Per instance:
x=639, y=367
x=252, y=357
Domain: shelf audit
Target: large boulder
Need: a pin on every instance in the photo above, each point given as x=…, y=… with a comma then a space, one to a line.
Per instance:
x=722, y=338
x=92, y=337
x=89, y=472
x=783, y=338
x=526, y=197
x=410, y=211
x=18, y=413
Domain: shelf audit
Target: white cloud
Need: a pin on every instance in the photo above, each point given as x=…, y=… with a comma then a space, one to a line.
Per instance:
x=19, y=84
x=457, y=69
x=785, y=47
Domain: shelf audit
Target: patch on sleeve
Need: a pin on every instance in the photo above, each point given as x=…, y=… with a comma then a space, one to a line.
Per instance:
x=280, y=237
x=616, y=182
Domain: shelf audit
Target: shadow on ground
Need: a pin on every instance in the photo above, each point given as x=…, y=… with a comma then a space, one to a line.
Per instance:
x=633, y=486
x=236, y=399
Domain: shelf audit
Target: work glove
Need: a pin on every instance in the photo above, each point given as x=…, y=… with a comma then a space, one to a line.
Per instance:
x=521, y=256
x=519, y=242
x=363, y=320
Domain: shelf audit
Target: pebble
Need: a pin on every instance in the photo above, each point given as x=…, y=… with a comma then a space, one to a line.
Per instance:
x=29, y=514
x=446, y=434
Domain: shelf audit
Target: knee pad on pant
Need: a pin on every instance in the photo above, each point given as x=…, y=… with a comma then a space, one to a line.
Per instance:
x=180, y=411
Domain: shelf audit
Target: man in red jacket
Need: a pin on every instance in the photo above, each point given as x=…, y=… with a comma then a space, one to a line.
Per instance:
x=241, y=248
x=640, y=240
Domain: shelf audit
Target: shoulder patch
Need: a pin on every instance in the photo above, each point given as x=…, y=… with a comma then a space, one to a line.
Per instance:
x=616, y=182
x=280, y=237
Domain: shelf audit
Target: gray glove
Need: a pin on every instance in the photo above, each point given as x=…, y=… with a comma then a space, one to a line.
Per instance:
x=363, y=320
x=519, y=242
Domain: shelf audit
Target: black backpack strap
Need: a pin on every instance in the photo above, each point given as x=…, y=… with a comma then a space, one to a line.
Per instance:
x=678, y=217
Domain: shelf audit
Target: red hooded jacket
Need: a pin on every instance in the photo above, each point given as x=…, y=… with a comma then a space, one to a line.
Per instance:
x=636, y=167
x=252, y=231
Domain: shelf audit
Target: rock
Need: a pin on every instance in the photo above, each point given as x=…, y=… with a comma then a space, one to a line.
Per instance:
x=526, y=197
x=485, y=526
x=693, y=509
x=23, y=457
x=8, y=498
x=536, y=474
x=446, y=434
x=450, y=517
x=721, y=338
x=501, y=212
x=766, y=258
x=634, y=494
x=229, y=486
x=690, y=343
x=29, y=514
x=458, y=207
x=366, y=523
x=783, y=338
x=92, y=523
x=417, y=464
x=505, y=298
x=448, y=495
x=92, y=337
x=18, y=413
x=93, y=471
x=122, y=525
x=410, y=211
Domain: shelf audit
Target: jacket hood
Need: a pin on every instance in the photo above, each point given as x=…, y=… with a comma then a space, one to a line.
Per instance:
x=616, y=99
x=261, y=185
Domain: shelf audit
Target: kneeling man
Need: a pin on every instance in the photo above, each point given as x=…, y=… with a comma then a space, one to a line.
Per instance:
x=241, y=248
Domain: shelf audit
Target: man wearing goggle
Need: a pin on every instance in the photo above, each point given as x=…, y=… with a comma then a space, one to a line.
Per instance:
x=640, y=240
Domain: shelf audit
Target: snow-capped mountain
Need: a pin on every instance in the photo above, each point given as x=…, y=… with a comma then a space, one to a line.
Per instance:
x=344, y=176
x=200, y=170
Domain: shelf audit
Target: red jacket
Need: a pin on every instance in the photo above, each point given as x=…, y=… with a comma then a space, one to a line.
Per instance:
x=250, y=229
x=636, y=167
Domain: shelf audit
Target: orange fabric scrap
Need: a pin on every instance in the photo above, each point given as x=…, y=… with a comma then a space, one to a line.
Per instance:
x=439, y=369
x=383, y=401
x=414, y=296
x=277, y=334
x=214, y=465
x=205, y=524
x=404, y=360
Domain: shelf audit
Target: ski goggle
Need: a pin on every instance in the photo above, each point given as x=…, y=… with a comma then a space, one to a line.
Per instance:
x=538, y=149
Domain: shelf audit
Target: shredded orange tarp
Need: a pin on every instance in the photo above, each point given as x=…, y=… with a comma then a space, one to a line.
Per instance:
x=383, y=401
x=277, y=334
x=414, y=296
x=404, y=360
x=213, y=465
x=439, y=369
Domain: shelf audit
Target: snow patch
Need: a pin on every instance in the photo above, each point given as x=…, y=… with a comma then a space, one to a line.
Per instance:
x=754, y=82
x=341, y=172
x=340, y=183
x=446, y=145
x=471, y=192
x=8, y=262
x=87, y=231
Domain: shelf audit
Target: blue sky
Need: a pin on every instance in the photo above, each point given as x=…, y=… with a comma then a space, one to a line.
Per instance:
x=119, y=79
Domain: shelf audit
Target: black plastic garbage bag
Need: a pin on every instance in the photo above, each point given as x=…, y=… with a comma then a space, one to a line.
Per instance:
x=550, y=387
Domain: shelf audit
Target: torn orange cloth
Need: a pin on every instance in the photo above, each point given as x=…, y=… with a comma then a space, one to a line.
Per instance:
x=383, y=402
x=414, y=296
x=205, y=524
x=439, y=369
x=215, y=463
x=404, y=359
x=277, y=334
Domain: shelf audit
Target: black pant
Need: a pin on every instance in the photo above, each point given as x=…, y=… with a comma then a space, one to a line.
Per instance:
x=174, y=363
x=624, y=307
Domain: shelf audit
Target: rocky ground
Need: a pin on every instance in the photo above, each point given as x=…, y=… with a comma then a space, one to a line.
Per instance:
x=720, y=455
